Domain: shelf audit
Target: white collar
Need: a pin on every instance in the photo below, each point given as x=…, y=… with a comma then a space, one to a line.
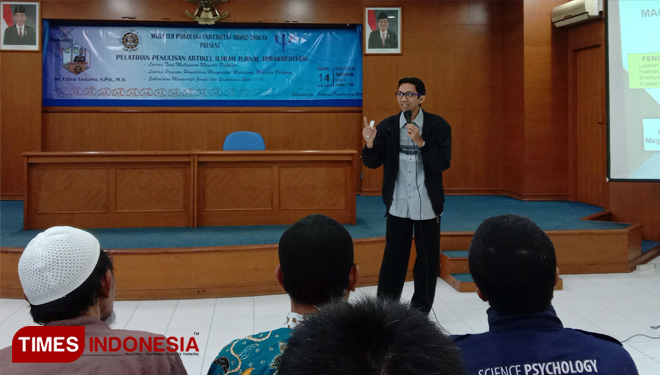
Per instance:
x=419, y=124
x=293, y=319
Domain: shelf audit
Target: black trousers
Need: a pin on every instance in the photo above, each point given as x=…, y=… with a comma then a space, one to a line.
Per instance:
x=398, y=241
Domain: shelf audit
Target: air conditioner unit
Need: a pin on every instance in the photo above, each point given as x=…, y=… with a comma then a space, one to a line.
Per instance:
x=576, y=11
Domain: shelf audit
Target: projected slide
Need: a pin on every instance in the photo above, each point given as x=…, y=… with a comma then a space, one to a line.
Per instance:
x=633, y=37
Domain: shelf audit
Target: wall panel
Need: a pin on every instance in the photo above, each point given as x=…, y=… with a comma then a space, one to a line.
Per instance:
x=590, y=129
x=240, y=11
x=181, y=131
x=545, y=103
x=512, y=99
x=20, y=117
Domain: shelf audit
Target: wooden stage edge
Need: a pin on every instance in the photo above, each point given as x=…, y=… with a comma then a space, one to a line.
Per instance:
x=231, y=271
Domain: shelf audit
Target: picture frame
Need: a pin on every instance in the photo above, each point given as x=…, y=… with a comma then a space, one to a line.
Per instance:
x=20, y=26
x=382, y=30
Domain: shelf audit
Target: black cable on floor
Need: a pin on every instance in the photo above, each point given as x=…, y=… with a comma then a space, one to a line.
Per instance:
x=641, y=334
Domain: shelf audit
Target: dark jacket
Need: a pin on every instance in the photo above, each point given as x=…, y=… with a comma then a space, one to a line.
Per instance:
x=538, y=343
x=391, y=41
x=436, y=156
x=11, y=36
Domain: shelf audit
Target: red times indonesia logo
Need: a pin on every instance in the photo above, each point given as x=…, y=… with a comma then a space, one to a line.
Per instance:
x=48, y=344
x=62, y=344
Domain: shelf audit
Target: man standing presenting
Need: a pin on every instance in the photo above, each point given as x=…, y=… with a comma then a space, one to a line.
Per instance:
x=20, y=33
x=383, y=37
x=415, y=147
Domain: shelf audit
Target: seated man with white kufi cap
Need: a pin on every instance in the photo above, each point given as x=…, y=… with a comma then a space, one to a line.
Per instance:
x=68, y=281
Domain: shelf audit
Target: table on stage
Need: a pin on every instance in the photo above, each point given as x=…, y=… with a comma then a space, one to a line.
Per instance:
x=196, y=188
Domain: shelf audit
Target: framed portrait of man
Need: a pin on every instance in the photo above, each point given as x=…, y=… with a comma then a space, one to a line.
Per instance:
x=20, y=26
x=382, y=30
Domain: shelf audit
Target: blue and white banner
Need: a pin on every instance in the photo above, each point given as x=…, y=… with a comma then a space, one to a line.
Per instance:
x=158, y=66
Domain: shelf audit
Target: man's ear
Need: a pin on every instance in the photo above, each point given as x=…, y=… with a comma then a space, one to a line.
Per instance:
x=278, y=276
x=106, y=284
x=422, y=99
x=353, y=277
x=481, y=295
x=556, y=276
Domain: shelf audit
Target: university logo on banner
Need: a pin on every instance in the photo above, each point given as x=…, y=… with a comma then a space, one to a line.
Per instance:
x=47, y=344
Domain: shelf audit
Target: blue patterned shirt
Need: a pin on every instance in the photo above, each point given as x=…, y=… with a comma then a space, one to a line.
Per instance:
x=257, y=354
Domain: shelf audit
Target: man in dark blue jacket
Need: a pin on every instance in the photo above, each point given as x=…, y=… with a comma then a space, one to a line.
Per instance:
x=415, y=147
x=513, y=263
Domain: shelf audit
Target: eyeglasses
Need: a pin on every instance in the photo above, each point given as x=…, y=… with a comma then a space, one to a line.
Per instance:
x=408, y=94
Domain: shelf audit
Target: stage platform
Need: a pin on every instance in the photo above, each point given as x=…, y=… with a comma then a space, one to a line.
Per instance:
x=183, y=262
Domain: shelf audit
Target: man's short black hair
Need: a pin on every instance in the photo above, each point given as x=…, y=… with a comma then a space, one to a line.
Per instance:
x=513, y=263
x=419, y=85
x=19, y=9
x=381, y=15
x=369, y=337
x=316, y=258
x=77, y=302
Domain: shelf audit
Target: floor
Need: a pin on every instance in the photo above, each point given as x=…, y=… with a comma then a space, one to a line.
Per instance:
x=620, y=305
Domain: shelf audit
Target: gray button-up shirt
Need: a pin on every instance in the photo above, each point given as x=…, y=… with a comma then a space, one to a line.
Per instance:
x=411, y=200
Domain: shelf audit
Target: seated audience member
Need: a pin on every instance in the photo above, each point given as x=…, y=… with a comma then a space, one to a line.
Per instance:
x=316, y=267
x=370, y=337
x=513, y=264
x=68, y=281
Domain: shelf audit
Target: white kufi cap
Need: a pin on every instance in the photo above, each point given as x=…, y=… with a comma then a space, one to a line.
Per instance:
x=57, y=262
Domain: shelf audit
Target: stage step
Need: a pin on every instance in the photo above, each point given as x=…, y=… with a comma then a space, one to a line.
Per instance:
x=455, y=271
x=454, y=261
x=463, y=282
x=650, y=250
